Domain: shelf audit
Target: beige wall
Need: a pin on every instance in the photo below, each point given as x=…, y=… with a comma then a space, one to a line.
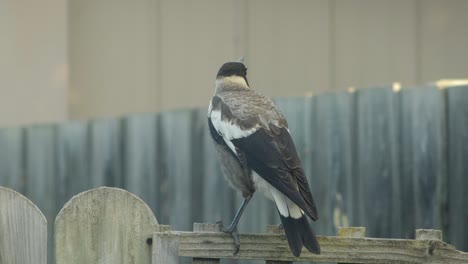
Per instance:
x=151, y=55
x=33, y=61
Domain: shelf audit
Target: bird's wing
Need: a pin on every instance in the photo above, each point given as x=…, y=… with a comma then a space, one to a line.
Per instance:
x=257, y=133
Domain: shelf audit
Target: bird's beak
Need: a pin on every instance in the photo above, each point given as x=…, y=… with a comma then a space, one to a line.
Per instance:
x=241, y=60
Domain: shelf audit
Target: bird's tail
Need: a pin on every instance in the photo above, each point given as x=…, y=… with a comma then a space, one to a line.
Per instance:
x=299, y=233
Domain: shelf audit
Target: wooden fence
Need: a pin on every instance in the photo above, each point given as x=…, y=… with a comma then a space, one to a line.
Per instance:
x=390, y=161
x=111, y=225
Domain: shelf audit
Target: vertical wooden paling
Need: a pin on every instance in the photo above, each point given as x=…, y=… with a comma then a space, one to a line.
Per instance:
x=23, y=230
x=104, y=225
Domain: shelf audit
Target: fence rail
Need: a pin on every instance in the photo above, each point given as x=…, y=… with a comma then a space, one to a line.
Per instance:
x=110, y=225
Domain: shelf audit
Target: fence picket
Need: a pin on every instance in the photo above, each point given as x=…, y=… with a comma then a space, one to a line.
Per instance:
x=104, y=225
x=23, y=230
x=41, y=173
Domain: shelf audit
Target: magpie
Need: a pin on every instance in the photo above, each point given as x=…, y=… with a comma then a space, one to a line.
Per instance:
x=256, y=152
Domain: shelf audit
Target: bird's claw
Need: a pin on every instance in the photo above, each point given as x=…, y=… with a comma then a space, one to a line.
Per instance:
x=233, y=232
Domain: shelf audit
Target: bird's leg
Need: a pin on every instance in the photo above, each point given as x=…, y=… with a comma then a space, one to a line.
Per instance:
x=232, y=228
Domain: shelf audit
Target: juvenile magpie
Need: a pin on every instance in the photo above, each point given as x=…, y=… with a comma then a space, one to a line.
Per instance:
x=256, y=152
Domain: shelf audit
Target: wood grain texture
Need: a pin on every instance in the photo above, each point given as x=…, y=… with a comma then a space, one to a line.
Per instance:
x=41, y=185
x=104, y=225
x=165, y=249
x=334, y=249
x=278, y=230
x=201, y=227
x=23, y=230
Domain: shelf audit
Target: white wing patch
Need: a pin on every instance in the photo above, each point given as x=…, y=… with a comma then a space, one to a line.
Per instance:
x=228, y=130
x=285, y=206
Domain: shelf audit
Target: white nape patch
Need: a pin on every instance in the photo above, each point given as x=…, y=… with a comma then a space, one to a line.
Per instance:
x=210, y=107
x=233, y=80
x=285, y=206
x=228, y=130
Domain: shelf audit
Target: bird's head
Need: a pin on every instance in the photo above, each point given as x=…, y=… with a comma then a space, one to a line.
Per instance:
x=232, y=74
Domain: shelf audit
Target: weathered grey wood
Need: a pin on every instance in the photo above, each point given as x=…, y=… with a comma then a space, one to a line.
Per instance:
x=105, y=153
x=11, y=158
x=140, y=159
x=276, y=229
x=352, y=232
x=41, y=163
x=457, y=134
x=428, y=234
x=201, y=227
x=23, y=230
x=423, y=157
x=377, y=162
x=104, y=225
x=165, y=249
x=334, y=249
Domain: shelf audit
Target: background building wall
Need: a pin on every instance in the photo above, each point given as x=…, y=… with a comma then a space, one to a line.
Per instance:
x=152, y=55
x=33, y=62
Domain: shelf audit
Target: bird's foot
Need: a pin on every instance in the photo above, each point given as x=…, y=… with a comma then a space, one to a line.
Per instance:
x=232, y=230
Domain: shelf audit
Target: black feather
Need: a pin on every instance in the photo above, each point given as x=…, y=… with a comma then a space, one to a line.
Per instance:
x=274, y=157
x=299, y=233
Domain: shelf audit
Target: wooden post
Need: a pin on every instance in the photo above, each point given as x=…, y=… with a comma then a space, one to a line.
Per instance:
x=206, y=228
x=165, y=247
x=351, y=232
x=428, y=234
x=276, y=229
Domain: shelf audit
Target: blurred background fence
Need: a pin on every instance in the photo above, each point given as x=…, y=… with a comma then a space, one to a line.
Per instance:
x=389, y=160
